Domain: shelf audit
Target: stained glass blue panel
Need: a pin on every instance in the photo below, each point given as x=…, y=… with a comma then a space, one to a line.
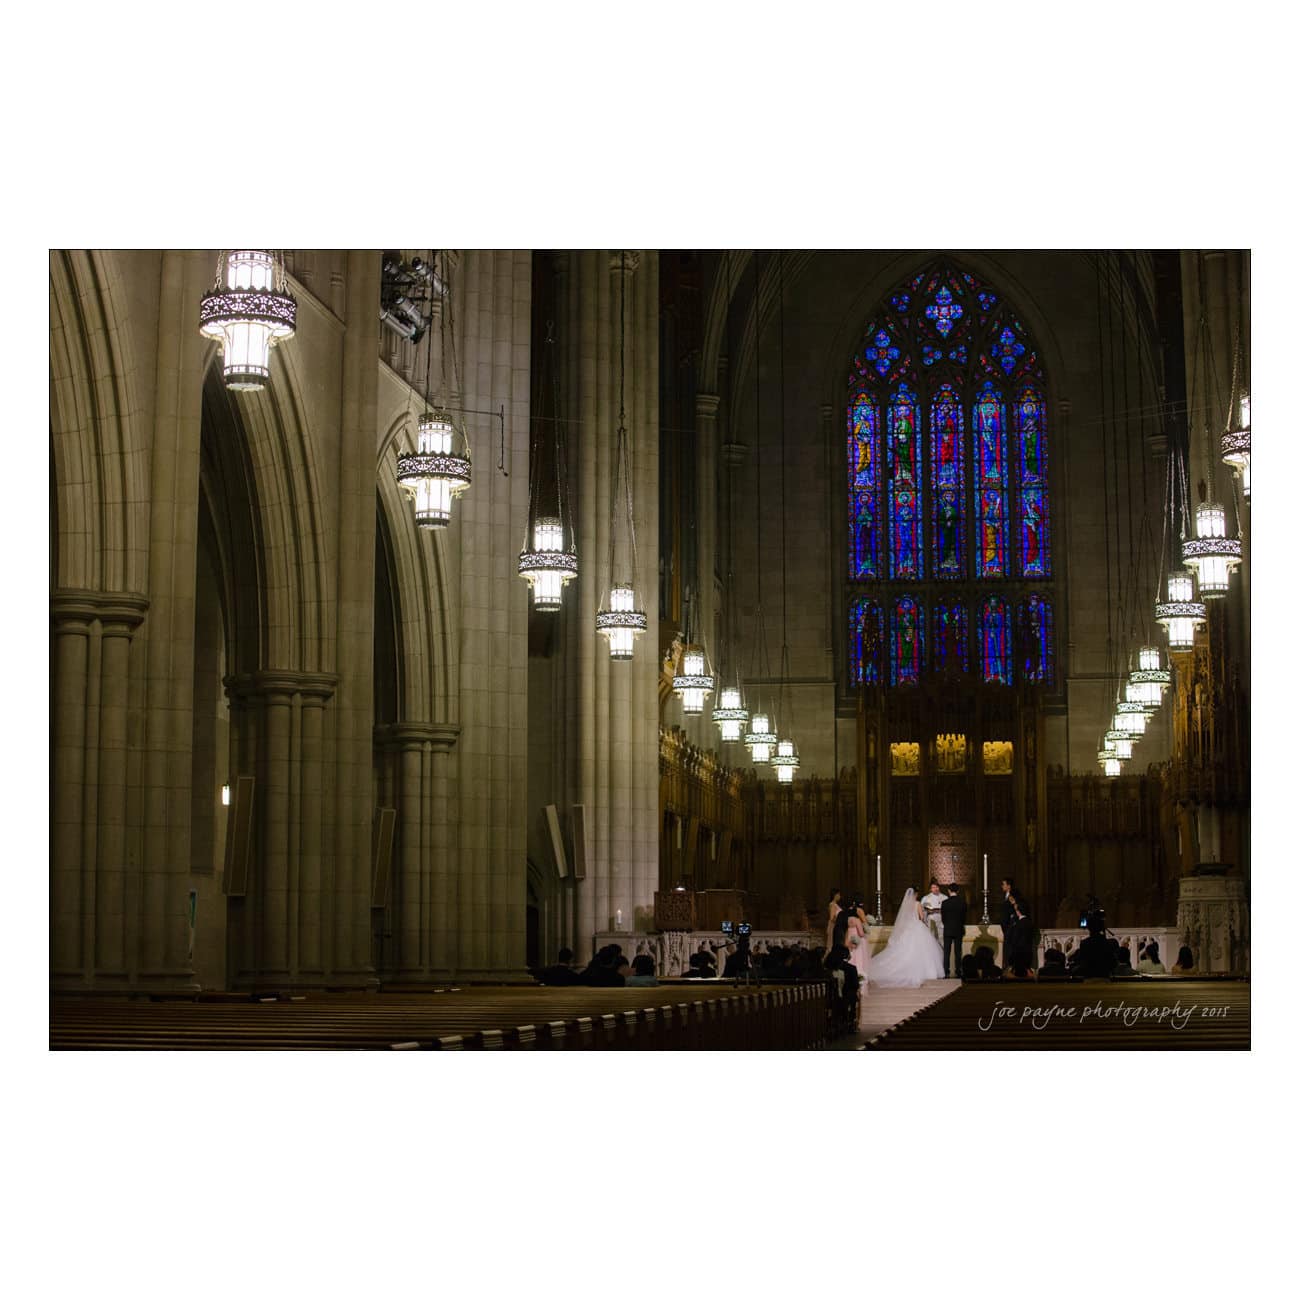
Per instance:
x=1036, y=640
x=866, y=641
x=882, y=352
x=990, y=484
x=995, y=641
x=864, y=487
x=1034, y=521
x=903, y=431
x=949, y=646
x=906, y=640
x=900, y=302
x=1007, y=348
x=944, y=312
x=947, y=482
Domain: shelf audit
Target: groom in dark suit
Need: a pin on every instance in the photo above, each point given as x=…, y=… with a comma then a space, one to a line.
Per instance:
x=953, y=915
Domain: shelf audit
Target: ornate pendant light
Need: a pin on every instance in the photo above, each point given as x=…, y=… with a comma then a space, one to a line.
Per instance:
x=760, y=738
x=786, y=761
x=1120, y=743
x=1130, y=718
x=1180, y=614
x=248, y=314
x=692, y=681
x=620, y=621
x=439, y=470
x=434, y=475
x=548, y=565
x=1234, y=445
x=730, y=715
x=1211, y=554
x=1148, y=682
x=1110, y=765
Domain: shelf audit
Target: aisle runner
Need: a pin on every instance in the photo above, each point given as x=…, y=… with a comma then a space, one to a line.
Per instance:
x=883, y=1008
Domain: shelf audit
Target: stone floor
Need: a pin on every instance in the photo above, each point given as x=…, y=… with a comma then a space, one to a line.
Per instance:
x=884, y=1008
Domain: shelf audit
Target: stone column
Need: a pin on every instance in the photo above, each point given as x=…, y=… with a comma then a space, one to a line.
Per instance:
x=348, y=891
x=615, y=759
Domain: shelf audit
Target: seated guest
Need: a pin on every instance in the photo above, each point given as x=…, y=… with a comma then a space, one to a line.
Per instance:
x=603, y=969
x=562, y=972
x=970, y=968
x=643, y=973
x=1124, y=967
x=1096, y=956
x=1186, y=963
x=1053, y=967
x=986, y=967
x=698, y=969
x=1149, y=963
x=839, y=965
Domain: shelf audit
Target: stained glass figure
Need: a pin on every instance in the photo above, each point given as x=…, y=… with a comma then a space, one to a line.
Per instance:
x=949, y=649
x=864, y=487
x=866, y=641
x=995, y=641
x=1036, y=640
x=944, y=312
x=906, y=639
x=904, y=437
x=947, y=482
x=1034, y=523
x=990, y=484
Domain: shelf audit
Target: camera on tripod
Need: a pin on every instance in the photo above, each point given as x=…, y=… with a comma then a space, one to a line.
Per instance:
x=737, y=930
x=1093, y=917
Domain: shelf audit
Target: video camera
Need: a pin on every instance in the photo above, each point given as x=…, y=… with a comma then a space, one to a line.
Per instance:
x=737, y=930
x=1093, y=917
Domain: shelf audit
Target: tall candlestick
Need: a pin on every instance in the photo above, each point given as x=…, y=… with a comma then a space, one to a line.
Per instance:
x=986, y=871
x=877, y=873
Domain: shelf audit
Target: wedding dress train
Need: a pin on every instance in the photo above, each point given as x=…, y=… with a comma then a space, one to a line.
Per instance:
x=912, y=955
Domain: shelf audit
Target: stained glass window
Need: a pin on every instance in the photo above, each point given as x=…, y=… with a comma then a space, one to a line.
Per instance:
x=1036, y=640
x=995, y=641
x=906, y=641
x=947, y=482
x=864, y=486
x=948, y=646
x=1034, y=523
x=990, y=484
x=866, y=641
x=904, y=432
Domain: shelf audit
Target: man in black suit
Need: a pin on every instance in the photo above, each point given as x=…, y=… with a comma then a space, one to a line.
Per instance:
x=953, y=914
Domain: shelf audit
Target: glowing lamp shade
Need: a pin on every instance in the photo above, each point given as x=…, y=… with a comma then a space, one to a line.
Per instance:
x=730, y=715
x=225, y=796
x=692, y=681
x=760, y=738
x=1180, y=615
x=247, y=315
x=548, y=566
x=1211, y=553
x=434, y=476
x=622, y=622
x=1147, y=682
x=1130, y=718
x=1120, y=743
x=1110, y=765
x=1234, y=446
x=786, y=761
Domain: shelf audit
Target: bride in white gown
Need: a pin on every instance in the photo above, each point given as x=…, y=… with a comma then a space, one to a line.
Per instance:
x=912, y=955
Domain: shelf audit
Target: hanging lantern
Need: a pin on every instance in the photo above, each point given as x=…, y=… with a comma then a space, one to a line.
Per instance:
x=1180, y=614
x=1234, y=446
x=786, y=761
x=1120, y=744
x=1211, y=553
x=1130, y=717
x=247, y=315
x=622, y=622
x=692, y=681
x=1148, y=682
x=434, y=476
x=548, y=566
x=730, y=715
x=1110, y=765
x=760, y=738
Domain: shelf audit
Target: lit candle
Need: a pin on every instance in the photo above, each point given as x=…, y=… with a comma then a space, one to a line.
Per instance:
x=618, y=918
x=877, y=873
x=986, y=873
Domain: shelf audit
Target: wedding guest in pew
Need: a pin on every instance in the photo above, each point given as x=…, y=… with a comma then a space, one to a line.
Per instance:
x=1123, y=964
x=1186, y=963
x=700, y=967
x=643, y=973
x=1053, y=967
x=970, y=968
x=986, y=968
x=562, y=972
x=1149, y=963
x=605, y=970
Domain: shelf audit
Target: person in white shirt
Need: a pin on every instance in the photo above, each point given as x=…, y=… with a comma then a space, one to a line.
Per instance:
x=930, y=906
